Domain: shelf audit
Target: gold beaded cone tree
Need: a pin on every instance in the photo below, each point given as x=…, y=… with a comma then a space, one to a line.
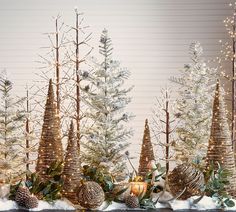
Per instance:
x=146, y=152
x=220, y=145
x=50, y=145
x=71, y=173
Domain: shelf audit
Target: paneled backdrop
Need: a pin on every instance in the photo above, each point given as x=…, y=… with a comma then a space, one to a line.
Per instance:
x=150, y=38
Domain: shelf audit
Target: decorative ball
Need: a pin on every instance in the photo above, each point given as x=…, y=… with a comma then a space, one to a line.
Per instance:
x=90, y=195
x=185, y=175
x=31, y=202
x=132, y=201
x=21, y=194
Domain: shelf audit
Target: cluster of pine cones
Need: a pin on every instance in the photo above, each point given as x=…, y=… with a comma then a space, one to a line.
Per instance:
x=25, y=199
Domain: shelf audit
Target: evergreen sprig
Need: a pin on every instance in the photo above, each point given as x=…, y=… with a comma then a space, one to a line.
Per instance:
x=49, y=190
x=215, y=186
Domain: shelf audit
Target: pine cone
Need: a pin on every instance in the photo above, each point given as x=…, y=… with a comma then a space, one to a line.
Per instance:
x=31, y=202
x=21, y=194
x=132, y=201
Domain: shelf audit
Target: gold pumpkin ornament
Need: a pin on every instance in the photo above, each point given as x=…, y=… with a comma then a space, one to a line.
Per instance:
x=185, y=176
x=90, y=195
x=138, y=188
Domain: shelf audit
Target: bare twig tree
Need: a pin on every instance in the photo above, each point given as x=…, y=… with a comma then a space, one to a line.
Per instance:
x=53, y=61
x=69, y=49
x=30, y=142
x=51, y=66
x=77, y=55
x=164, y=125
x=27, y=130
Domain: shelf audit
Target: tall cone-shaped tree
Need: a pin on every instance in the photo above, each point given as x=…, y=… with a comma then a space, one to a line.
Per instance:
x=50, y=146
x=71, y=173
x=220, y=145
x=146, y=151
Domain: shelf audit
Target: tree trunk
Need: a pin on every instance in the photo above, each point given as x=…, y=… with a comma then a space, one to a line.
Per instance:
x=77, y=82
x=167, y=133
x=57, y=69
x=27, y=131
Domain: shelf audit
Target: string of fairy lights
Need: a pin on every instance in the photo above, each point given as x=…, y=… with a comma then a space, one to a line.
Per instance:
x=228, y=54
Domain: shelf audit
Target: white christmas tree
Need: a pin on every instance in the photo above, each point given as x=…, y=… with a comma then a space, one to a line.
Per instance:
x=11, y=140
x=107, y=98
x=194, y=107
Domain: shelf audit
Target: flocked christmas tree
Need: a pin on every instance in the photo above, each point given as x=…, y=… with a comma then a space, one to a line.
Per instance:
x=50, y=146
x=220, y=146
x=194, y=107
x=146, y=152
x=71, y=172
x=107, y=98
x=11, y=125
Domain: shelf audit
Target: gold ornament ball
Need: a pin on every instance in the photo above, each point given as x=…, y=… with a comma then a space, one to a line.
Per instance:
x=185, y=175
x=90, y=195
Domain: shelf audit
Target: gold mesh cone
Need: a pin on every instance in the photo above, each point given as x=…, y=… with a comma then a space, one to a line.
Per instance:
x=50, y=146
x=220, y=145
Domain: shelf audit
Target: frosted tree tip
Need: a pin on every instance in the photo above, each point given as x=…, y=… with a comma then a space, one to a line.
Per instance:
x=105, y=31
x=195, y=49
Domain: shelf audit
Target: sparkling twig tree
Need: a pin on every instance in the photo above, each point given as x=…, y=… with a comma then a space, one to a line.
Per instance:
x=229, y=53
x=71, y=172
x=220, y=146
x=50, y=146
x=146, y=154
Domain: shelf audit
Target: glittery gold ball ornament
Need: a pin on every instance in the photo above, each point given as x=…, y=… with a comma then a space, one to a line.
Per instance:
x=90, y=195
x=185, y=175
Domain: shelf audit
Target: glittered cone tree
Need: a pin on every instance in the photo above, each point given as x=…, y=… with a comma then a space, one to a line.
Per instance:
x=146, y=152
x=220, y=145
x=71, y=173
x=50, y=145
